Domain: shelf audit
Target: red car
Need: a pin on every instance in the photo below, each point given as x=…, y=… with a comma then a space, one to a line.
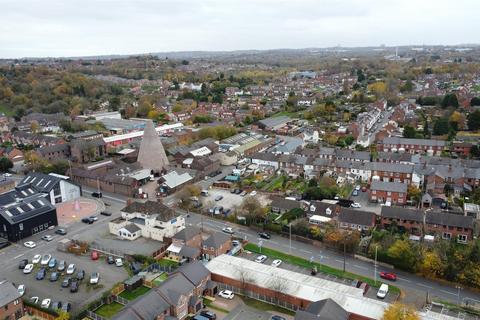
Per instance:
x=94, y=255
x=388, y=276
x=364, y=189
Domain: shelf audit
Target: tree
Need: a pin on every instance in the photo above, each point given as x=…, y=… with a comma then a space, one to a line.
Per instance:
x=378, y=88
x=252, y=209
x=449, y=100
x=431, y=265
x=34, y=126
x=475, y=101
x=414, y=193
x=474, y=120
x=441, y=127
x=409, y=132
x=62, y=315
x=402, y=253
x=5, y=164
x=399, y=311
x=457, y=121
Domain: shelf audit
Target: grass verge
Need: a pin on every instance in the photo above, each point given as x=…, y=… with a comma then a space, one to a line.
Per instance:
x=209, y=304
x=457, y=308
x=109, y=310
x=167, y=263
x=132, y=295
x=260, y=305
x=301, y=262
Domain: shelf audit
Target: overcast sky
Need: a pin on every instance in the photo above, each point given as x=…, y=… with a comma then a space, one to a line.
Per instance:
x=38, y=28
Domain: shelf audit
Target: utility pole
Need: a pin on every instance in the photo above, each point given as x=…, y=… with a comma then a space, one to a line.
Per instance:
x=376, y=249
x=290, y=241
x=458, y=295
x=344, y=253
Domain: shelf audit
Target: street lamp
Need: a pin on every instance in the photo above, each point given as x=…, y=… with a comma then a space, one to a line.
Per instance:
x=290, y=238
x=458, y=294
x=376, y=250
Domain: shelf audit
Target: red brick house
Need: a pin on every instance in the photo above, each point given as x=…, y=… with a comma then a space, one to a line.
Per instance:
x=391, y=172
x=383, y=192
x=449, y=226
x=407, y=220
x=413, y=146
x=461, y=148
x=12, y=303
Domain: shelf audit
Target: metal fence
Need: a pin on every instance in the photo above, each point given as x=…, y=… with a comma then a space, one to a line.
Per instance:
x=105, y=250
x=94, y=316
x=155, y=267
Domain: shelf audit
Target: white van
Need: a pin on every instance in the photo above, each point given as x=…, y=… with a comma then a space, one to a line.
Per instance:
x=382, y=292
x=204, y=193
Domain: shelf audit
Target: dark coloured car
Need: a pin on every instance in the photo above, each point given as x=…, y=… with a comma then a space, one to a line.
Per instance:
x=41, y=274
x=66, y=306
x=22, y=264
x=66, y=282
x=264, y=235
x=61, y=232
x=106, y=213
x=136, y=267
x=57, y=305
x=208, y=314
x=110, y=260
x=74, y=286
x=275, y=317
x=80, y=275
x=238, y=191
x=97, y=194
x=54, y=276
x=87, y=220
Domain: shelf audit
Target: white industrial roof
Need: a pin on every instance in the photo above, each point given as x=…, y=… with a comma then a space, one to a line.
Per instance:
x=173, y=179
x=320, y=218
x=136, y=134
x=203, y=151
x=298, y=285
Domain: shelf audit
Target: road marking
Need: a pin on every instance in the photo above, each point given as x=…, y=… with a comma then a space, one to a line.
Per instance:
x=339, y=260
x=424, y=285
x=306, y=251
x=403, y=279
x=360, y=267
x=20, y=255
x=452, y=293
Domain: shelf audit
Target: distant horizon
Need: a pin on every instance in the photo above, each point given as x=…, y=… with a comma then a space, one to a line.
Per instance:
x=83, y=28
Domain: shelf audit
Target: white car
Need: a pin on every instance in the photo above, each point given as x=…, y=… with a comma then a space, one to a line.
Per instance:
x=253, y=193
x=228, y=230
x=36, y=258
x=34, y=299
x=235, y=243
x=227, y=294
x=356, y=205
x=71, y=268
x=261, y=259
x=118, y=262
x=94, y=278
x=47, y=238
x=382, y=292
x=21, y=289
x=7, y=174
x=45, y=259
x=28, y=268
x=30, y=244
x=276, y=262
x=357, y=187
x=46, y=303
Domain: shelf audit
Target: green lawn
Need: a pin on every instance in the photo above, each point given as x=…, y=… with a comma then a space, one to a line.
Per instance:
x=345, y=191
x=132, y=295
x=4, y=109
x=158, y=280
x=301, y=262
x=260, y=305
x=167, y=263
x=109, y=310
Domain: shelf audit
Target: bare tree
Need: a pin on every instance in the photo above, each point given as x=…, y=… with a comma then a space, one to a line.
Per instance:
x=245, y=278
x=278, y=285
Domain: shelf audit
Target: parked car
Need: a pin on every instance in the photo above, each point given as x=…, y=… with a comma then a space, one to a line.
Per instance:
x=364, y=189
x=46, y=303
x=228, y=230
x=118, y=262
x=219, y=197
x=238, y=191
x=264, y=235
x=275, y=317
x=21, y=289
x=199, y=317
x=227, y=294
x=356, y=205
x=243, y=194
x=97, y=194
x=28, y=268
x=253, y=193
x=261, y=259
x=71, y=268
x=66, y=306
x=236, y=243
x=66, y=282
x=358, y=187
x=61, y=232
x=36, y=259
x=382, y=292
x=87, y=220
x=208, y=314
x=94, y=218
x=74, y=286
x=94, y=278
x=47, y=237
x=80, y=275
x=110, y=260
x=388, y=275
x=276, y=262
x=41, y=274
x=61, y=266
x=106, y=213
x=54, y=276
x=52, y=263
x=22, y=264
x=355, y=193
x=94, y=255
x=45, y=259
x=30, y=244
x=136, y=267
x=34, y=299
x=57, y=305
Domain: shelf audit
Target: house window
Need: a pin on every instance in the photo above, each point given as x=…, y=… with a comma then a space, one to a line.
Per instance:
x=389, y=193
x=20, y=226
x=462, y=238
x=447, y=235
x=374, y=191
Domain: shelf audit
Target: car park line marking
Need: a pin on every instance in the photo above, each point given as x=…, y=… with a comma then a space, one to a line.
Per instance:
x=20, y=255
x=452, y=293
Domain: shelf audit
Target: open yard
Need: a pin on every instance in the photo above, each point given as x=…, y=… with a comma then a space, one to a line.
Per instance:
x=132, y=295
x=109, y=310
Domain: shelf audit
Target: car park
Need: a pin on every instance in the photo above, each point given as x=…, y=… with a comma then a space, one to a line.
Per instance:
x=21, y=289
x=382, y=292
x=208, y=314
x=388, y=275
x=46, y=303
x=276, y=263
x=28, y=268
x=118, y=262
x=228, y=230
x=52, y=263
x=80, y=275
x=264, y=235
x=94, y=278
x=30, y=244
x=41, y=274
x=45, y=259
x=61, y=232
x=226, y=294
x=71, y=268
x=66, y=282
x=36, y=258
x=74, y=286
x=61, y=266
x=47, y=237
x=261, y=258
x=54, y=276
x=22, y=263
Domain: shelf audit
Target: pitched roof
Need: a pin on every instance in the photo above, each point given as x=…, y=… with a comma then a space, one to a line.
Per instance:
x=174, y=287
x=8, y=293
x=390, y=167
x=359, y=217
x=151, y=207
x=389, y=186
x=449, y=219
x=407, y=141
x=187, y=233
x=216, y=240
x=326, y=309
x=282, y=203
x=147, y=307
x=194, y=271
x=402, y=213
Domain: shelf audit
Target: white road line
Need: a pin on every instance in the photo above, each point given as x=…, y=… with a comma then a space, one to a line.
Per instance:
x=306, y=251
x=403, y=279
x=424, y=285
x=20, y=255
x=339, y=260
x=452, y=293
x=360, y=267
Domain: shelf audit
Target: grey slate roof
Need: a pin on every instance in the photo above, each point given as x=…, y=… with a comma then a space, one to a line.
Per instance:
x=174, y=287
x=402, y=213
x=358, y=217
x=189, y=252
x=147, y=307
x=389, y=186
x=8, y=293
x=326, y=309
x=194, y=272
x=39, y=181
x=275, y=121
x=132, y=228
x=406, y=141
x=187, y=233
x=390, y=167
x=448, y=219
x=151, y=207
x=282, y=203
x=216, y=240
